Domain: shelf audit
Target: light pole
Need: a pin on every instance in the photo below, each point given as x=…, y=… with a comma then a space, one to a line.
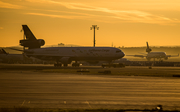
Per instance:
x=94, y=27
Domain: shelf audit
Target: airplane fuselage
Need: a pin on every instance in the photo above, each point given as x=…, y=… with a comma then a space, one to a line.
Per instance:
x=156, y=54
x=68, y=54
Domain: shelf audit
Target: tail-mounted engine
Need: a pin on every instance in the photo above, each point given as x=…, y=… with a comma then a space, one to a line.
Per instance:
x=32, y=44
x=148, y=50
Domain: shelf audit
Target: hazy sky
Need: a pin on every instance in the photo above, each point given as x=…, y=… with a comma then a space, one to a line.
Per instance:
x=126, y=23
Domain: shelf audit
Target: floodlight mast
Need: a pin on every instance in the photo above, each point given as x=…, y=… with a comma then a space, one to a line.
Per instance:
x=94, y=27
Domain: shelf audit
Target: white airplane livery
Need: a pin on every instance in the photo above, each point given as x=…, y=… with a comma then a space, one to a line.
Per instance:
x=65, y=55
x=154, y=55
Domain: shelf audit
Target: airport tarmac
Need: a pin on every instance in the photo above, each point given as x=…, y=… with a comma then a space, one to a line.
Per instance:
x=40, y=89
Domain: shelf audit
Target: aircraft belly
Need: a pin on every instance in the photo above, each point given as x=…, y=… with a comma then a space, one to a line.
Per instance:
x=83, y=58
x=93, y=58
x=156, y=56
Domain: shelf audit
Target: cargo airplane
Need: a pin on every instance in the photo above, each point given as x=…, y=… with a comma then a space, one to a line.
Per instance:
x=65, y=55
x=154, y=55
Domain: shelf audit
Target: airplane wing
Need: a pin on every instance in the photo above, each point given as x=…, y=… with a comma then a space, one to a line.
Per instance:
x=50, y=56
x=15, y=49
x=141, y=56
x=27, y=32
x=20, y=50
x=43, y=56
x=4, y=52
x=172, y=55
x=55, y=55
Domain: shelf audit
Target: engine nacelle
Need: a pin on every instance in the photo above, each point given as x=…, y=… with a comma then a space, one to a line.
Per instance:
x=32, y=44
x=41, y=42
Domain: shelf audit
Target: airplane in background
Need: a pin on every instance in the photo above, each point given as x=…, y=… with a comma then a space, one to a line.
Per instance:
x=154, y=55
x=65, y=55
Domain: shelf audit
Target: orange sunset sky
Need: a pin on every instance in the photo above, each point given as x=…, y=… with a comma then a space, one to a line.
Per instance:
x=128, y=23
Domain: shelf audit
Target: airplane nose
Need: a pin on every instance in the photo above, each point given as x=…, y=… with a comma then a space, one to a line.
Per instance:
x=123, y=54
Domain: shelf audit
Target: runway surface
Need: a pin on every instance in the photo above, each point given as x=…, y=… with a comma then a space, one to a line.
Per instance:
x=37, y=89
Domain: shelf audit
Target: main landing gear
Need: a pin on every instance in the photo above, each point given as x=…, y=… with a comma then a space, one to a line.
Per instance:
x=75, y=64
x=59, y=64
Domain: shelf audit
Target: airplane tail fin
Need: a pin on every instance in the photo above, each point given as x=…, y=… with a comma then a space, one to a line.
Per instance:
x=31, y=42
x=27, y=32
x=148, y=49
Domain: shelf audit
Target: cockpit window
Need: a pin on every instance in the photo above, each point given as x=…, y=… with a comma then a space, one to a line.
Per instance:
x=118, y=51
